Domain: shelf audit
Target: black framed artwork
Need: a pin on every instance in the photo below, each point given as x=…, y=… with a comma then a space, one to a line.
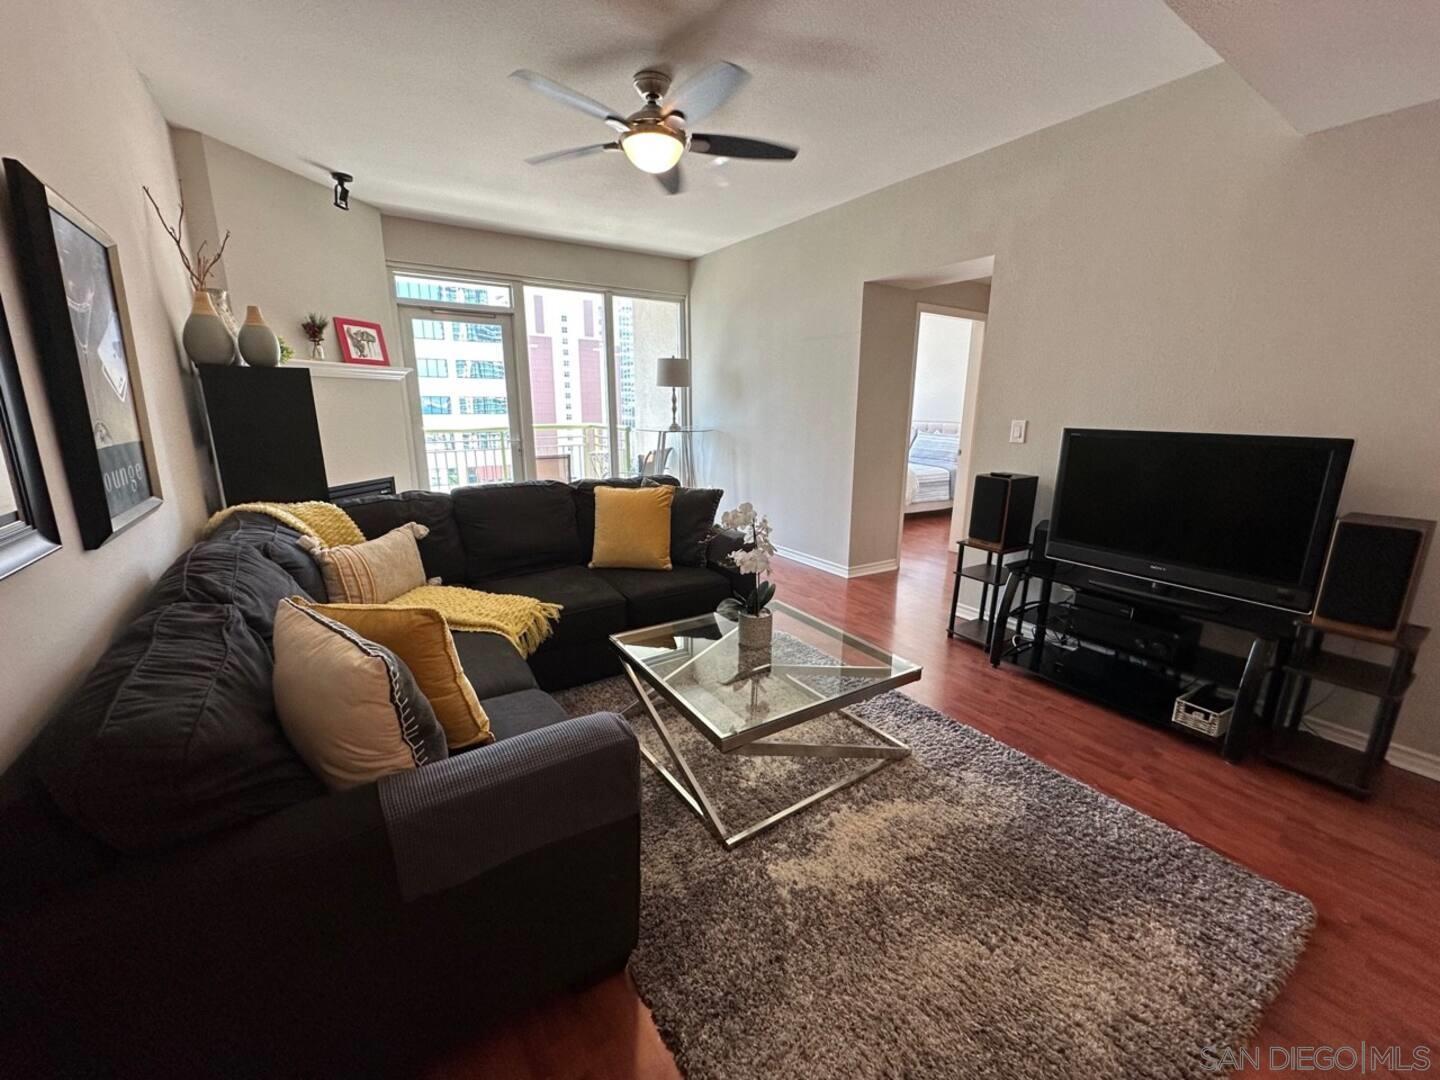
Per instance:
x=76, y=295
x=27, y=521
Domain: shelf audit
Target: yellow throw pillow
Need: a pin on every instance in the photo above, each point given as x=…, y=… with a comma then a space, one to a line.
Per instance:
x=374, y=572
x=422, y=640
x=632, y=527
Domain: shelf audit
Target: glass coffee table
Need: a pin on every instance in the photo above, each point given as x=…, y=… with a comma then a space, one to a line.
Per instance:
x=739, y=698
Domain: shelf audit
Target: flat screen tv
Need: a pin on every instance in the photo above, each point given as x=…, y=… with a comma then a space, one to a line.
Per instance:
x=1240, y=516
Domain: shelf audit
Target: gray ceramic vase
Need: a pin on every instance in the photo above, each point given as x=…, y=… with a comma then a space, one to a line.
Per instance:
x=206, y=338
x=258, y=344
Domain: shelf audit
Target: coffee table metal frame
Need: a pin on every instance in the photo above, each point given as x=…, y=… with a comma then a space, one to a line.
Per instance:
x=648, y=686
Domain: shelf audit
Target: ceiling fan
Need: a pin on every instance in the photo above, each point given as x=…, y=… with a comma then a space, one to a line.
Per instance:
x=656, y=136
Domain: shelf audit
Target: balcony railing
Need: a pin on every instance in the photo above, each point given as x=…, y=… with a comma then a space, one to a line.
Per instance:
x=562, y=452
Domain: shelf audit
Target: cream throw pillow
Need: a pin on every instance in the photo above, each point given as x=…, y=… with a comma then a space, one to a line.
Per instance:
x=374, y=572
x=350, y=707
x=422, y=639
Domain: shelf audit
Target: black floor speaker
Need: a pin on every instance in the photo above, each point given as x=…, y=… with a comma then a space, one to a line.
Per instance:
x=1371, y=574
x=264, y=434
x=1001, y=509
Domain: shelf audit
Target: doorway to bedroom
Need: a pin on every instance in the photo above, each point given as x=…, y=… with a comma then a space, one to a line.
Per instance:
x=947, y=354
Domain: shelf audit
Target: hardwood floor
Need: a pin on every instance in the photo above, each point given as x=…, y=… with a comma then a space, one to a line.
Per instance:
x=1372, y=969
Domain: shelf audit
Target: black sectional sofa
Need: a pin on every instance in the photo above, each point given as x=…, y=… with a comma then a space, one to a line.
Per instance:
x=179, y=897
x=535, y=539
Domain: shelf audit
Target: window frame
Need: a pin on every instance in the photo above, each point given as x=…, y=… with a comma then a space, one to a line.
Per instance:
x=519, y=315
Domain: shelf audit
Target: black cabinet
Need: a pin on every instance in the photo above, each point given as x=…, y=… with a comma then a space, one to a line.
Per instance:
x=263, y=434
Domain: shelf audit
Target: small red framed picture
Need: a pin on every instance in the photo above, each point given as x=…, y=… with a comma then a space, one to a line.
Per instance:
x=361, y=342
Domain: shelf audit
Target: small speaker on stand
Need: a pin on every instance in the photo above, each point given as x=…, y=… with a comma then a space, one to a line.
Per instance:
x=1001, y=509
x=1370, y=575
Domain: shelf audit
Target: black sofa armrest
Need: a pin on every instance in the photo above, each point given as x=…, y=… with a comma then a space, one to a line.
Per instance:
x=458, y=818
x=724, y=543
x=289, y=948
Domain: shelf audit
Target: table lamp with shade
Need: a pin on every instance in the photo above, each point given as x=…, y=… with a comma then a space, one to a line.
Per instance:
x=674, y=372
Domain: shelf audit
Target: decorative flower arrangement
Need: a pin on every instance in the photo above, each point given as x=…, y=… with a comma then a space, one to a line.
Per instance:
x=752, y=559
x=314, y=330
x=286, y=352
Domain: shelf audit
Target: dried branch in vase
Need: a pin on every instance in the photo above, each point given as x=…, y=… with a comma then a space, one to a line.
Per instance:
x=199, y=268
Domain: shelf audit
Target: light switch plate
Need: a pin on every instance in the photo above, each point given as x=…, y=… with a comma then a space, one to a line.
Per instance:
x=1017, y=430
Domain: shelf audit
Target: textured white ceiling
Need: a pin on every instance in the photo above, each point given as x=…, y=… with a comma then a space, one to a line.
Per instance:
x=1323, y=63
x=414, y=100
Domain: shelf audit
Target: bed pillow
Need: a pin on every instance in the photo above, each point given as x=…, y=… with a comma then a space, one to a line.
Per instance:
x=932, y=449
x=351, y=707
x=421, y=638
x=374, y=572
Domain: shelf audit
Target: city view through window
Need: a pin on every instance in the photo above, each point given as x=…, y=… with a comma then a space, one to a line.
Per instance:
x=468, y=411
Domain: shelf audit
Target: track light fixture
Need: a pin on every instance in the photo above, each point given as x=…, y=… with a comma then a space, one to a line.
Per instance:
x=342, y=193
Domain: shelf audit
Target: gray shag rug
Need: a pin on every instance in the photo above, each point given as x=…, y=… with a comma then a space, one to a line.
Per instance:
x=965, y=912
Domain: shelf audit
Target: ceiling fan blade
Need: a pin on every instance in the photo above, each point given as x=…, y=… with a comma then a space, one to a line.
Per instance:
x=707, y=91
x=579, y=151
x=573, y=98
x=733, y=146
x=671, y=181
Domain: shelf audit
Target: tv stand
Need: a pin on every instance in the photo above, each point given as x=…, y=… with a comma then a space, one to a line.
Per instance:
x=1143, y=675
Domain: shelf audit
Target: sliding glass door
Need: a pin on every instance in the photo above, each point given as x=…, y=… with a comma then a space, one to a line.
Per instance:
x=569, y=405
x=645, y=330
x=578, y=400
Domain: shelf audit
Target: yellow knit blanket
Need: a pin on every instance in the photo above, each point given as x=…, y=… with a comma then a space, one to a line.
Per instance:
x=325, y=521
x=522, y=620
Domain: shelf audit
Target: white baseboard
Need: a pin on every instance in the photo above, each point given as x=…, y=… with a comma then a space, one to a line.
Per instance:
x=1408, y=758
x=838, y=569
x=1421, y=762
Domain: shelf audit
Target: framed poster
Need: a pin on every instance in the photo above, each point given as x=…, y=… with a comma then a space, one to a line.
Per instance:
x=27, y=521
x=77, y=305
x=361, y=342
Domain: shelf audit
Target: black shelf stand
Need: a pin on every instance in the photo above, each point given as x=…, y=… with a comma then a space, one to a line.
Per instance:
x=991, y=575
x=1348, y=768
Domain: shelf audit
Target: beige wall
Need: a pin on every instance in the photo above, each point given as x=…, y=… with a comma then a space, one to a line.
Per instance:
x=480, y=251
x=942, y=353
x=291, y=253
x=77, y=115
x=1181, y=259
x=888, y=324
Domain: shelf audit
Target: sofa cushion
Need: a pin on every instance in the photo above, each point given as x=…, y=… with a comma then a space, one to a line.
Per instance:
x=299, y=564
x=510, y=529
x=524, y=710
x=662, y=596
x=350, y=707
x=173, y=734
x=492, y=664
x=441, y=551
x=692, y=520
x=592, y=610
x=227, y=570
x=278, y=543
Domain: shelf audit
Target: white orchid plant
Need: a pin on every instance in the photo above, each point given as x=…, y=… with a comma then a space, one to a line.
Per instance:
x=754, y=558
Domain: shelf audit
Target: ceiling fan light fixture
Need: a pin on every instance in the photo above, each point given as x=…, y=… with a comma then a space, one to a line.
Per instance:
x=653, y=149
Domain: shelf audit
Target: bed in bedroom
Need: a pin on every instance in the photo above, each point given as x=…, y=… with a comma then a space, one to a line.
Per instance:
x=931, y=466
